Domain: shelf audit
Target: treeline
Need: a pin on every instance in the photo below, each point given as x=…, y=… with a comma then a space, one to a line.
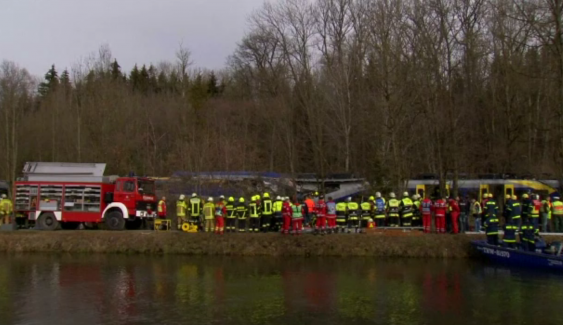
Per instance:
x=382, y=88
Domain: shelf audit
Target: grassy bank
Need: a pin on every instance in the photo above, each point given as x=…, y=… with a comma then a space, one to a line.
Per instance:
x=145, y=242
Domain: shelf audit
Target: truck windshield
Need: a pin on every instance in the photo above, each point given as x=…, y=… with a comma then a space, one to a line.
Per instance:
x=147, y=186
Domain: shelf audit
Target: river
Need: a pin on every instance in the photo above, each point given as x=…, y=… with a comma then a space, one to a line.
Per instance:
x=112, y=289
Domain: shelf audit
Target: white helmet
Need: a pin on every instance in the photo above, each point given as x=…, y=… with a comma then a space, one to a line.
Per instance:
x=391, y=194
x=278, y=198
x=222, y=197
x=194, y=194
x=3, y=196
x=210, y=199
x=406, y=194
x=182, y=197
x=377, y=194
x=414, y=197
x=349, y=199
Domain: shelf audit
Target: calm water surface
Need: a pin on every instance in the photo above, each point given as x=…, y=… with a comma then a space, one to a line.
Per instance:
x=182, y=290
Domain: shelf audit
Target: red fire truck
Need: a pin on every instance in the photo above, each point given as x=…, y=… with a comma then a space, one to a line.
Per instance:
x=67, y=194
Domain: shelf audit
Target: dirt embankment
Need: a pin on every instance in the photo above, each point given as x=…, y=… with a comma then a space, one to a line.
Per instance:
x=147, y=242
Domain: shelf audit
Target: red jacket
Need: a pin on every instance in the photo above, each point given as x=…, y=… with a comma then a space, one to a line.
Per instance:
x=455, y=207
x=440, y=208
x=286, y=209
x=321, y=208
x=220, y=210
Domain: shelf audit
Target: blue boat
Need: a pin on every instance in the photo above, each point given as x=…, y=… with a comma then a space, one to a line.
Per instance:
x=516, y=257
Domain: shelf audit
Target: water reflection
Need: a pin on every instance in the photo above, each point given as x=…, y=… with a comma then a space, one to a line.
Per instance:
x=143, y=290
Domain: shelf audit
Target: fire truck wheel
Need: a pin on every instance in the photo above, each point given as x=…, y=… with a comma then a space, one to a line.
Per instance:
x=114, y=221
x=48, y=221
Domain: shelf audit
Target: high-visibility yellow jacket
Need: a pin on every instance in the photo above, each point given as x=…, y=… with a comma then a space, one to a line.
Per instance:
x=181, y=208
x=209, y=211
x=6, y=206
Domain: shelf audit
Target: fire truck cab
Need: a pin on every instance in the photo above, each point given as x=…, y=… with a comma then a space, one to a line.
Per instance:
x=67, y=194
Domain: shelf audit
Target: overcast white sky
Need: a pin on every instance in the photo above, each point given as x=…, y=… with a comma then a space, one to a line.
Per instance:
x=36, y=34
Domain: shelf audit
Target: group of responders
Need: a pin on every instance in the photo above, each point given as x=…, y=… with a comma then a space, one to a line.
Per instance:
x=265, y=213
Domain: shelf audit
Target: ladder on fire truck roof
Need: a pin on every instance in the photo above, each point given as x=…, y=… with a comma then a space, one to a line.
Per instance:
x=65, y=172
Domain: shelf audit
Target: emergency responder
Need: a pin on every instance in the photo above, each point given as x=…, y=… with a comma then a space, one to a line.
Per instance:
x=506, y=209
x=476, y=212
x=181, y=208
x=526, y=203
x=406, y=208
x=367, y=211
x=528, y=235
x=416, y=222
x=220, y=214
x=331, y=215
x=440, y=209
x=515, y=209
x=454, y=214
x=426, y=210
x=353, y=215
x=267, y=209
x=379, y=210
x=277, y=222
x=545, y=211
x=393, y=210
x=6, y=209
x=464, y=214
x=254, y=211
x=341, y=216
x=491, y=221
x=557, y=207
x=195, y=209
x=286, y=215
x=320, y=208
x=309, y=210
x=242, y=211
x=510, y=230
x=535, y=208
x=297, y=212
x=209, y=215
x=231, y=215
x=162, y=208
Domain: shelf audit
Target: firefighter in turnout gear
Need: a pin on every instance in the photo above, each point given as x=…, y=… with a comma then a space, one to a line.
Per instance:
x=341, y=216
x=195, y=209
x=267, y=212
x=353, y=217
x=367, y=211
x=209, y=215
x=416, y=217
x=231, y=215
x=393, y=210
x=510, y=230
x=557, y=207
x=181, y=209
x=277, y=221
x=254, y=211
x=491, y=221
x=514, y=211
x=6, y=209
x=242, y=211
x=379, y=210
x=526, y=203
x=406, y=208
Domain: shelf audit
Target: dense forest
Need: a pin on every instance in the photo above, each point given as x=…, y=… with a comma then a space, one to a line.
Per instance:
x=385, y=89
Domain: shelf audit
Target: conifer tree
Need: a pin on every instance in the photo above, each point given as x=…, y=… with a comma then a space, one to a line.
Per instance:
x=134, y=77
x=115, y=70
x=212, y=88
x=50, y=83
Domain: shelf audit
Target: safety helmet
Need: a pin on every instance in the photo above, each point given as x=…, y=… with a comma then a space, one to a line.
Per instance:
x=556, y=197
x=406, y=194
x=349, y=199
x=4, y=196
x=221, y=197
x=514, y=197
x=371, y=198
x=278, y=198
x=508, y=196
x=231, y=199
x=316, y=193
x=266, y=195
x=377, y=194
x=210, y=199
x=194, y=194
x=258, y=197
x=414, y=197
x=391, y=194
x=182, y=197
x=241, y=199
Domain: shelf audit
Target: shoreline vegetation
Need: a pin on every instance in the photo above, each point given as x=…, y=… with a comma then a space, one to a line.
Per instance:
x=270, y=244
